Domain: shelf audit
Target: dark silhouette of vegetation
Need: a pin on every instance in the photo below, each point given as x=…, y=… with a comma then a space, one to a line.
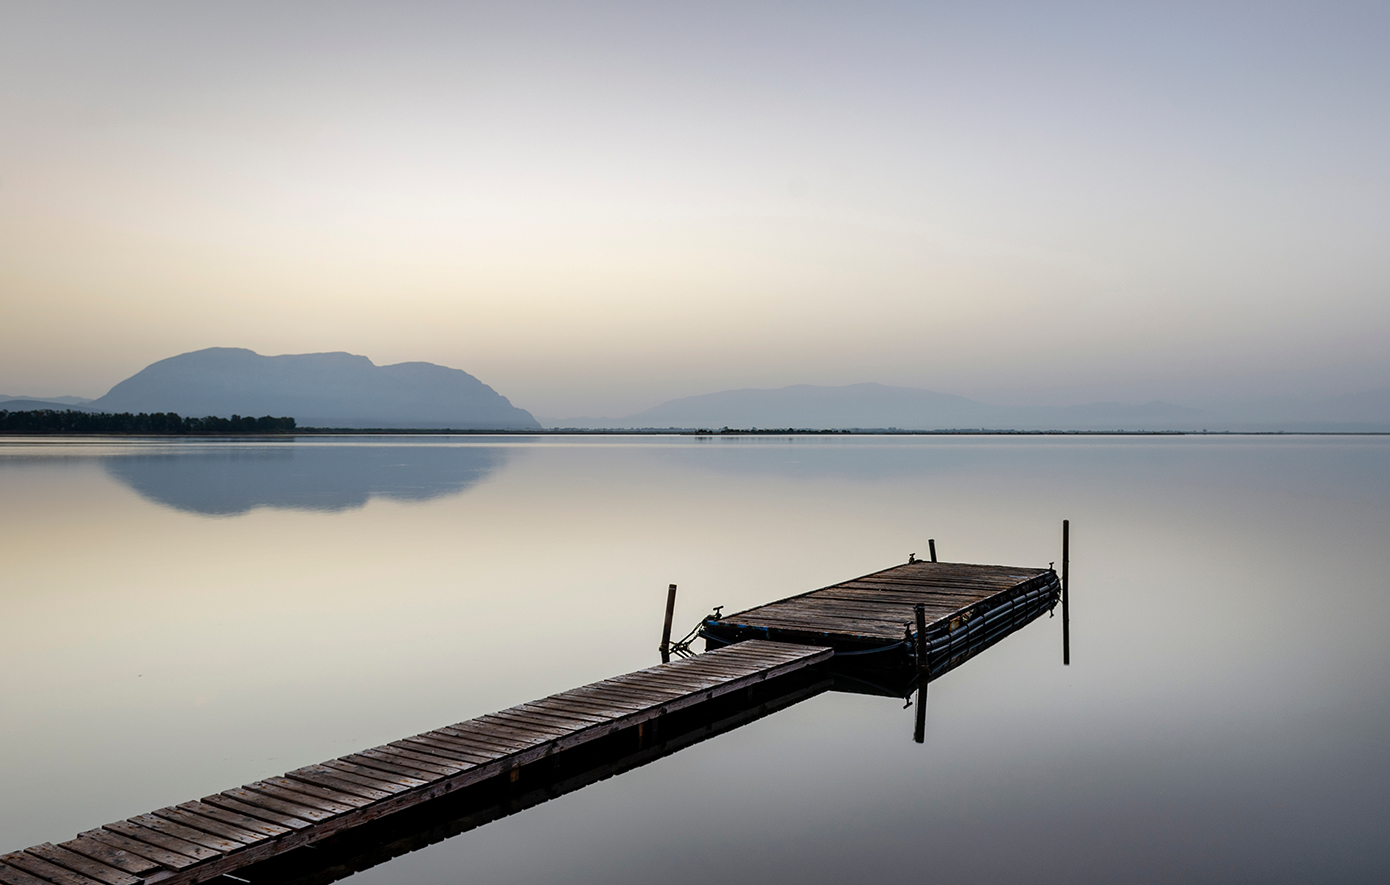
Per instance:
x=162, y=423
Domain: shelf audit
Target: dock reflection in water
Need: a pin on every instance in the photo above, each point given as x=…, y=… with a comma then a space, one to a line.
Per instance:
x=379, y=842
x=218, y=480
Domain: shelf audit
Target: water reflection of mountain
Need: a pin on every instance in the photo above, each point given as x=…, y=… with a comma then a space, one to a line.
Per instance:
x=236, y=479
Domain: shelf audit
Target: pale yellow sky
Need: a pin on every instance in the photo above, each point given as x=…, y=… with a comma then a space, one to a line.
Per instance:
x=596, y=208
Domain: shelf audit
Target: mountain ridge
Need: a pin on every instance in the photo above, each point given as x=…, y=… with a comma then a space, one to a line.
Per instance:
x=335, y=389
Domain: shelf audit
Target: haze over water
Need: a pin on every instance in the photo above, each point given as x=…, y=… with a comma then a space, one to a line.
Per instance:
x=182, y=617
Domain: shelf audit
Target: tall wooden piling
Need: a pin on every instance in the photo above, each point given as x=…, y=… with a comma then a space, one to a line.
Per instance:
x=666, y=627
x=931, y=545
x=1066, y=598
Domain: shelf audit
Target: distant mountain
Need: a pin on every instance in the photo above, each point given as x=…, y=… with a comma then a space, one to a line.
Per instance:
x=16, y=403
x=317, y=390
x=881, y=406
x=24, y=404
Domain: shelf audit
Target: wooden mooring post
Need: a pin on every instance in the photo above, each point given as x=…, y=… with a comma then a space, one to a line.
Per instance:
x=931, y=546
x=1066, y=598
x=666, y=627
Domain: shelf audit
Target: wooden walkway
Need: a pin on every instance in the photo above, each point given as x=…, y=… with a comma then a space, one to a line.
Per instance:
x=219, y=834
x=874, y=616
x=381, y=841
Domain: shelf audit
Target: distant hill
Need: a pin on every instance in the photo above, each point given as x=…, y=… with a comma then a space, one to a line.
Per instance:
x=881, y=406
x=24, y=404
x=317, y=390
x=58, y=403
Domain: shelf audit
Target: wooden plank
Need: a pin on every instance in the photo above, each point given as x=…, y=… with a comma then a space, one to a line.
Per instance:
x=447, y=747
x=483, y=753
x=324, y=797
x=417, y=761
x=611, y=705
x=219, y=844
x=491, y=746
x=390, y=768
x=469, y=732
x=754, y=651
x=377, y=783
x=671, y=690
x=830, y=622
x=172, y=859
x=717, y=672
x=735, y=664
x=607, y=710
x=112, y=857
x=11, y=876
x=463, y=760
x=544, y=707
x=93, y=869
x=449, y=752
x=211, y=826
x=881, y=595
x=657, y=688
x=895, y=590
x=654, y=687
x=812, y=627
x=267, y=807
x=821, y=628
x=881, y=610
x=155, y=839
x=376, y=774
x=243, y=821
x=640, y=697
x=275, y=791
x=315, y=791
x=530, y=735
x=313, y=776
x=521, y=724
x=567, y=721
x=37, y=866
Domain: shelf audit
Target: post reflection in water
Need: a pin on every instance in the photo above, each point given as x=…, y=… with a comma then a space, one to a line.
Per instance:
x=220, y=480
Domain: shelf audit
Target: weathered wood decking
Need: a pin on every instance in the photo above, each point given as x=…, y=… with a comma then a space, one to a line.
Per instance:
x=380, y=841
x=875, y=614
x=200, y=840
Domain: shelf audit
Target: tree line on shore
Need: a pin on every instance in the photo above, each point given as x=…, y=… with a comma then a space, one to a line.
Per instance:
x=71, y=421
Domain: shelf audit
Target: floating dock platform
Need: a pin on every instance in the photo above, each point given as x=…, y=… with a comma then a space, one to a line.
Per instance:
x=873, y=619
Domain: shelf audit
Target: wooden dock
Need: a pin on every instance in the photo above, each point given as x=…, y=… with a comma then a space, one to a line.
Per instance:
x=381, y=841
x=220, y=834
x=874, y=618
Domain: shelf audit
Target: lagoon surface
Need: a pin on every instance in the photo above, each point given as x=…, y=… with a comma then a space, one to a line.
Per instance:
x=182, y=617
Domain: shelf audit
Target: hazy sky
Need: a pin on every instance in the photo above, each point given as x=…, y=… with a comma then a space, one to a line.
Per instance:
x=597, y=207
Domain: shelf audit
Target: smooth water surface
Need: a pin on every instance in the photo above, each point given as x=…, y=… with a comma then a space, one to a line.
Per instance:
x=180, y=617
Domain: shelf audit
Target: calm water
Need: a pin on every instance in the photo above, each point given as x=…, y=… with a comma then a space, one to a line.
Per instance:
x=181, y=618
